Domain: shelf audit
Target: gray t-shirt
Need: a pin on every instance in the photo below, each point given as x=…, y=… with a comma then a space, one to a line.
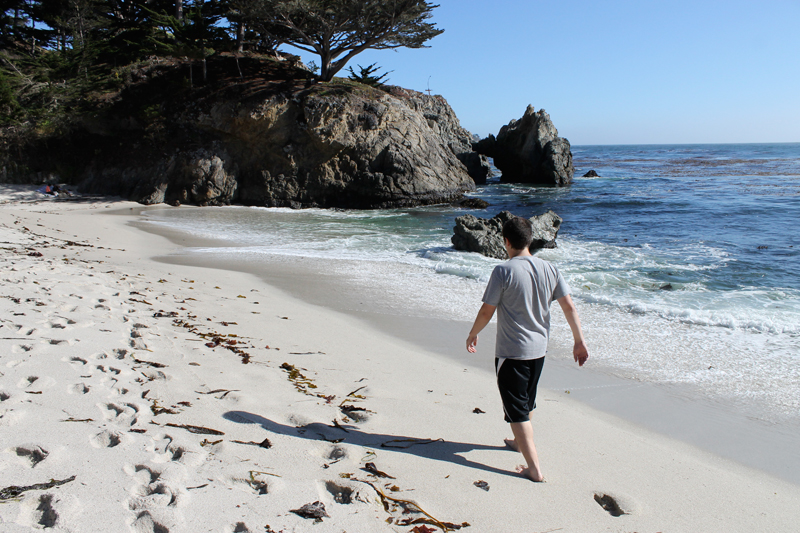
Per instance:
x=523, y=289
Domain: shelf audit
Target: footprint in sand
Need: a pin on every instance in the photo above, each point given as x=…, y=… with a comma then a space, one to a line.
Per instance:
x=21, y=348
x=108, y=370
x=31, y=454
x=158, y=492
x=10, y=417
x=616, y=505
x=168, y=450
x=121, y=414
x=106, y=439
x=79, y=388
x=39, y=511
x=27, y=382
x=144, y=523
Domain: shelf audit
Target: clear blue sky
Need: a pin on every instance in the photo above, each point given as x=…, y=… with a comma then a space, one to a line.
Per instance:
x=614, y=72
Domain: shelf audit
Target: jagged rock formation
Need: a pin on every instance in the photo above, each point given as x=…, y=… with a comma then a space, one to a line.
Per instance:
x=442, y=119
x=529, y=150
x=251, y=141
x=485, y=236
x=348, y=150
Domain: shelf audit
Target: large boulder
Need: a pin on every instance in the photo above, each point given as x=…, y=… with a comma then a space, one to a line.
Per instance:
x=340, y=150
x=529, y=150
x=485, y=236
x=201, y=177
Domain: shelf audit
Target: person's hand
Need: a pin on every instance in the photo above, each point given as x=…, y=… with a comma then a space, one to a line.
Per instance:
x=580, y=352
x=472, y=342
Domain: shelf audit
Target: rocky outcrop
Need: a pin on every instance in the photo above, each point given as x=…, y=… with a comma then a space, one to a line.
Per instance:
x=318, y=150
x=289, y=143
x=443, y=121
x=529, y=150
x=201, y=177
x=485, y=236
x=591, y=174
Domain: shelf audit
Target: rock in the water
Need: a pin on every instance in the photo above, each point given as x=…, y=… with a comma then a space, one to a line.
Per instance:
x=473, y=203
x=529, y=150
x=485, y=236
x=545, y=230
x=591, y=174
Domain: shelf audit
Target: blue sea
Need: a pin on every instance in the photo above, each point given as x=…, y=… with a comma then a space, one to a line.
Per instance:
x=684, y=261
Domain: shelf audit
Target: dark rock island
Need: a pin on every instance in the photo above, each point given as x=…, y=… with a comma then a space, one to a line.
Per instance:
x=529, y=150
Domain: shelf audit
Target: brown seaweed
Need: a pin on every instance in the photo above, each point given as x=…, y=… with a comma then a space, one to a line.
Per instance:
x=196, y=429
x=413, y=507
x=372, y=469
x=13, y=491
x=263, y=444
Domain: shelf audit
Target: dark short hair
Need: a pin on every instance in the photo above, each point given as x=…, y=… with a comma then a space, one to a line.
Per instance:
x=519, y=232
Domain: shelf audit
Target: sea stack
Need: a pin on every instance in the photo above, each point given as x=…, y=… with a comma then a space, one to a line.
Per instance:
x=529, y=150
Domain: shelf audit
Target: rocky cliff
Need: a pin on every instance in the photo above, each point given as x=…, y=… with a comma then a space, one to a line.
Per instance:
x=529, y=150
x=255, y=141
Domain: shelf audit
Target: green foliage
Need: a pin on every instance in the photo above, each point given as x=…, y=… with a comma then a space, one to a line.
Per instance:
x=367, y=76
x=338, y=30
x=9, y=106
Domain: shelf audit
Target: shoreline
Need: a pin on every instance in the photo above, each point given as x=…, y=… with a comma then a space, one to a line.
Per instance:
x=676, y=411
x=92, y=345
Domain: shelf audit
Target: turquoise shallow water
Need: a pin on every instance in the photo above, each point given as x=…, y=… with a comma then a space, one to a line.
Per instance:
x=718, y=223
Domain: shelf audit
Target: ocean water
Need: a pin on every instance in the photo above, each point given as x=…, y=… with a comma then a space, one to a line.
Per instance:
x=684, y=261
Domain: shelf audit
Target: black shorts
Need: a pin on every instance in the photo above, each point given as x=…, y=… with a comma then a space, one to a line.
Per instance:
x=517, y=381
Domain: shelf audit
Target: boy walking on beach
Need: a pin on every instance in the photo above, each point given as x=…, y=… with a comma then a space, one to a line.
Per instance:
x=521, y=290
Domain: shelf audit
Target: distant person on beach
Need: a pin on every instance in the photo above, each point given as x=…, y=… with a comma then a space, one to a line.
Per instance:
x=521, y=290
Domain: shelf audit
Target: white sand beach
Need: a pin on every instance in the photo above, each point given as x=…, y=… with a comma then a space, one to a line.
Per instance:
x=172, y=398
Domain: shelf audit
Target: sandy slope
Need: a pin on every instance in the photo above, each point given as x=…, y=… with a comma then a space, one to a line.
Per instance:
x=108, y=358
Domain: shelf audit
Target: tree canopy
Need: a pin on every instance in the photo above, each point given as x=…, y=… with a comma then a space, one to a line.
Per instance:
x=337, y=30
x=55, y=53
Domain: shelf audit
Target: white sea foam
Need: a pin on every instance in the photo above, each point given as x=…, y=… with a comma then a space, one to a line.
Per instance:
x=737, y=343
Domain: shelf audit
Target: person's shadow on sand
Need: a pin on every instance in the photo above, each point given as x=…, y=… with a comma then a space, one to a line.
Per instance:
x=438, y=450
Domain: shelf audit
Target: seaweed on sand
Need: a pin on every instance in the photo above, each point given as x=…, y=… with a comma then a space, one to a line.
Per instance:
x=13, y=491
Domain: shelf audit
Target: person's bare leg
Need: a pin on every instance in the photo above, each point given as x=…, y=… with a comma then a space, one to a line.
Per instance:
x=523, y=437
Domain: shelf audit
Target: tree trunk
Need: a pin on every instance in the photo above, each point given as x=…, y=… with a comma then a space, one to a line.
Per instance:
x=240, y=37
x=325, y=73
x=179, y=10
x=205, y=71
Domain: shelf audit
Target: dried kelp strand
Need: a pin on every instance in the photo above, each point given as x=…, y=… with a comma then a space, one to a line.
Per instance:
x=197, y=429
x=411, y=505
x=13, y=491
x=372, y=469
x=263, y=444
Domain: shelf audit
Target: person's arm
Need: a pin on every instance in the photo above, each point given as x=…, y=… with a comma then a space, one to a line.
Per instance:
x=580, y=352
x=485, y=314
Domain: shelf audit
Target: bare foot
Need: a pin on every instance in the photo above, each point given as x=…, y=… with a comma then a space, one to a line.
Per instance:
x=528, y=473
x=511, y=443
